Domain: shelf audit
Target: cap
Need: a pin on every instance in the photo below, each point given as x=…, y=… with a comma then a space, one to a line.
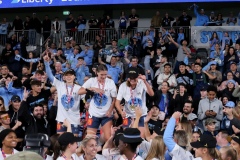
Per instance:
x=209, y=121
x=203, y=88
x=15, y=98
x=132, y=73
x=205, y=141
x=192, y=117
x=213, y=63
x=87, y=44
x=131, y=135
x=230, y=104
x=70, y=71
x=154, y=106
x=236, y=138
x=67, y=138
x=25, y=155
x=231, y=81
x=158, y=130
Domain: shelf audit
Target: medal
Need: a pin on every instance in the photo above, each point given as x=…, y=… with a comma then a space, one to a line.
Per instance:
x=103, y=85
x=69, y=96
x=132, y=107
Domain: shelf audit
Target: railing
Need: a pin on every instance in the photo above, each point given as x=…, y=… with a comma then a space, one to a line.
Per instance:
x=34, y=38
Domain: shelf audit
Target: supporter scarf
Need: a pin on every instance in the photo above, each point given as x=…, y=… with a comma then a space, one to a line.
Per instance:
x=225, y=40
x=34, y=60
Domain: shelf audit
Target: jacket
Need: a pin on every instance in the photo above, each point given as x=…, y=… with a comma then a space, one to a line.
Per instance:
x=215, y=105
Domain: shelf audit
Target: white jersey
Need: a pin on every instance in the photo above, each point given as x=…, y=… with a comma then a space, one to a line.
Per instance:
x=68, y=102
x=7, y=155
x=133, y=98
x=180, y=153
x=100, y=104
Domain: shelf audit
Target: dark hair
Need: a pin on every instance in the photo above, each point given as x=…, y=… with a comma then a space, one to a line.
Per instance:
x=39, y=72
x=190, y=102
x=197, y=64
x=167, y=64
x=25, y=66
x=212, y=88
x=102, y=67
x=3, y=112
x=213, y=37
x=133, y=146
x=133, y=57
x=1, y=99
x=53, y=140
x=213, y=153
x=167, y=83
x=57, y=149
x=4, y=65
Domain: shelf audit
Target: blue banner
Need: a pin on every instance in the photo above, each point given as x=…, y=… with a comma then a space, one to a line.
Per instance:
x=46, y=3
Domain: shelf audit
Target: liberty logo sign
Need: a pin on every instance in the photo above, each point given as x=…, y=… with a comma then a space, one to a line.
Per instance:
x=32, y=1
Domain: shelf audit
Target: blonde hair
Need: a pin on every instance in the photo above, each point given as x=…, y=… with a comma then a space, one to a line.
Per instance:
x=236, y=111
x=86, y=140
x=187, y=127
x=157, y=149
x=230, y=152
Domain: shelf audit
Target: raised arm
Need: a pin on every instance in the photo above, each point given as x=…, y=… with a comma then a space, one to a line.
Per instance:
x=48, y=69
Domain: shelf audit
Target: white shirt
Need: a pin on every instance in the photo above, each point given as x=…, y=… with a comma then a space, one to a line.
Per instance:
x=138, y=97
x=112, y=154
x=99, y=105
x=179, y=153
x=7, y=155
x=74, y=156
x=71, y=112
x=98, y=157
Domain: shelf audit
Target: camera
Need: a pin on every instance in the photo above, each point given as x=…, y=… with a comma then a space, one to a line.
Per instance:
x=36, y=143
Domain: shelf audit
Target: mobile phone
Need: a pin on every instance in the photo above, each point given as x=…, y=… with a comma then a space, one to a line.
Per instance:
x=211, y=110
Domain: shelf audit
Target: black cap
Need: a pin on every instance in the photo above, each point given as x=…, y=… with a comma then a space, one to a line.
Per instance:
x=205, y=141
x=132, y=73
x=70, y=71
x=131, y=135
x=236, y=138
x=67, y=138
x=203, y=88
x=15, y=98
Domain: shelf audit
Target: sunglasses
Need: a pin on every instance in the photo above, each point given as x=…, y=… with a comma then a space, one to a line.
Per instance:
x=5, y=117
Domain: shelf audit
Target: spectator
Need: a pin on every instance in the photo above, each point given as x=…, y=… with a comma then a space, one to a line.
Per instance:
x=56, y=27
x=212, y=19
x=222, y=139
x=166, y=20
x=235, y=143
x=210, y=107
x=26, y=27
x=133, y=21
x=227, y=152
x=231, y=20
x=34, y=30
x=213, y=41
x=47, y=26
x=205, y=147
x=2, y=106
x=219, y=20
x=136, y=47
x=82, y=71
x=230, y=59
x=122, y=42
x=201, y=19
x=81, y=26
x=157, y=149
x=17, y=24
x=5, y=121
x=128, y=146
x=88, y=55
x=70, y=25
x=156, y=20
x=154, y=118
x=175, y=149
x=184, y=19
x=123, y=20
x=226, y=40
x=8, y=141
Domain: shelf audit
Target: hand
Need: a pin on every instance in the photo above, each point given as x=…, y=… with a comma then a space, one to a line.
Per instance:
x=98, y=90
x=25, y=94
x=138, y=112
x=190, y=98
x=177, y=115
x=176, y=92
x=113, y=130
x=213, y=113
x=142, y=77
x=148, y=117
x=46, y=58
x=14, y=78
x=123, y=114
x=109, y=113
x=208, y=113
x=18, y=124
x=66, y=123
x=235, y=129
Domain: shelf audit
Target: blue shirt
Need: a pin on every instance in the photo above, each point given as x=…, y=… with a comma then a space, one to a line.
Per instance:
x=87, y=57
x=114, y=72
x=67, y=51
x=73, y=59
x=201, y=20
x=81, y=73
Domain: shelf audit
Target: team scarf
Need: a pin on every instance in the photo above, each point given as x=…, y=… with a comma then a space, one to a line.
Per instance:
x=34, y=60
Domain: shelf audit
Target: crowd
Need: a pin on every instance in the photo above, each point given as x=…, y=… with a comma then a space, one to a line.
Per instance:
x=126, y=101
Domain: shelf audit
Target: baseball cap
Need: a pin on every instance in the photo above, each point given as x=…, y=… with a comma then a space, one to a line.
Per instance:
x=209, y=121
x=203, y=88
x=213, y=63
x=232, y=62
x=132, y=73
x=87, y=44
x=67, y=138
x=25, y=155
x=192, y=116
x=15, y=98
x=236, y=138
x=70, y=71
x=134, y=37
x=230, y=104
x=205, y=141
x=231, y=81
